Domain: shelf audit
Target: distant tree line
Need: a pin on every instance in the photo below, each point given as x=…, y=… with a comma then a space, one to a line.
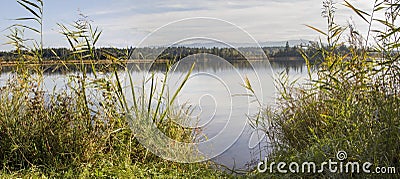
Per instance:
x=177, y=53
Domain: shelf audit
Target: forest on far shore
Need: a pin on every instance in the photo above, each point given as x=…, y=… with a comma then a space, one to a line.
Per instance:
x=180, y=52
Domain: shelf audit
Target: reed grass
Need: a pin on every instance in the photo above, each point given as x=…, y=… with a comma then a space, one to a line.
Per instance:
x=83, y=131
x=352, y=103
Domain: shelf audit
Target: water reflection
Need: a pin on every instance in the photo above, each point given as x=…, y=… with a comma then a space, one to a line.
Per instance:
x=239, y=156
x=298, y=66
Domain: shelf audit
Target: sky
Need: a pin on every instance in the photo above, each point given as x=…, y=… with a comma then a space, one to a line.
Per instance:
x=126, y=22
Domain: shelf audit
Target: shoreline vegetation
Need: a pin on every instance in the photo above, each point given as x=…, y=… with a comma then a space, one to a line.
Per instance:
x=352, y=105
x=59, y=55
x=77, y=134
x=133, y=61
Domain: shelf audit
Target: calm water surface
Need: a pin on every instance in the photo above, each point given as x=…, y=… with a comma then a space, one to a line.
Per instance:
x=215, y=93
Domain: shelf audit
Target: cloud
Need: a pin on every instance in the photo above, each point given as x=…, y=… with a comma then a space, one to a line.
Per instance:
x=267, y=21
x=126, y=22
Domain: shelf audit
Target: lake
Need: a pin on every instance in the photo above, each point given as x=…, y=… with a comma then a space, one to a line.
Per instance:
x=221, y=105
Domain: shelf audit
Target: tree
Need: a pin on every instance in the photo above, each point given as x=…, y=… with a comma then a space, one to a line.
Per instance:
x=287, y=46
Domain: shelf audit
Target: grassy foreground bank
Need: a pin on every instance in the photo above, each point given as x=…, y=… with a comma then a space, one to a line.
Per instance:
x=83, y=131
x=349, y=109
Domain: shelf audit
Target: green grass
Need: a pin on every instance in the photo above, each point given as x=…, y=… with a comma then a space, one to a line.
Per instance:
x=352, y=104
x=75, y=134
x=161, y=169
x=58, y=137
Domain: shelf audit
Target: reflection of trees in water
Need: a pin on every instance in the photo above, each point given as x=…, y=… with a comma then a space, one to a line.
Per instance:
x=295, y=65
x=215, y=66
x=201, y=65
